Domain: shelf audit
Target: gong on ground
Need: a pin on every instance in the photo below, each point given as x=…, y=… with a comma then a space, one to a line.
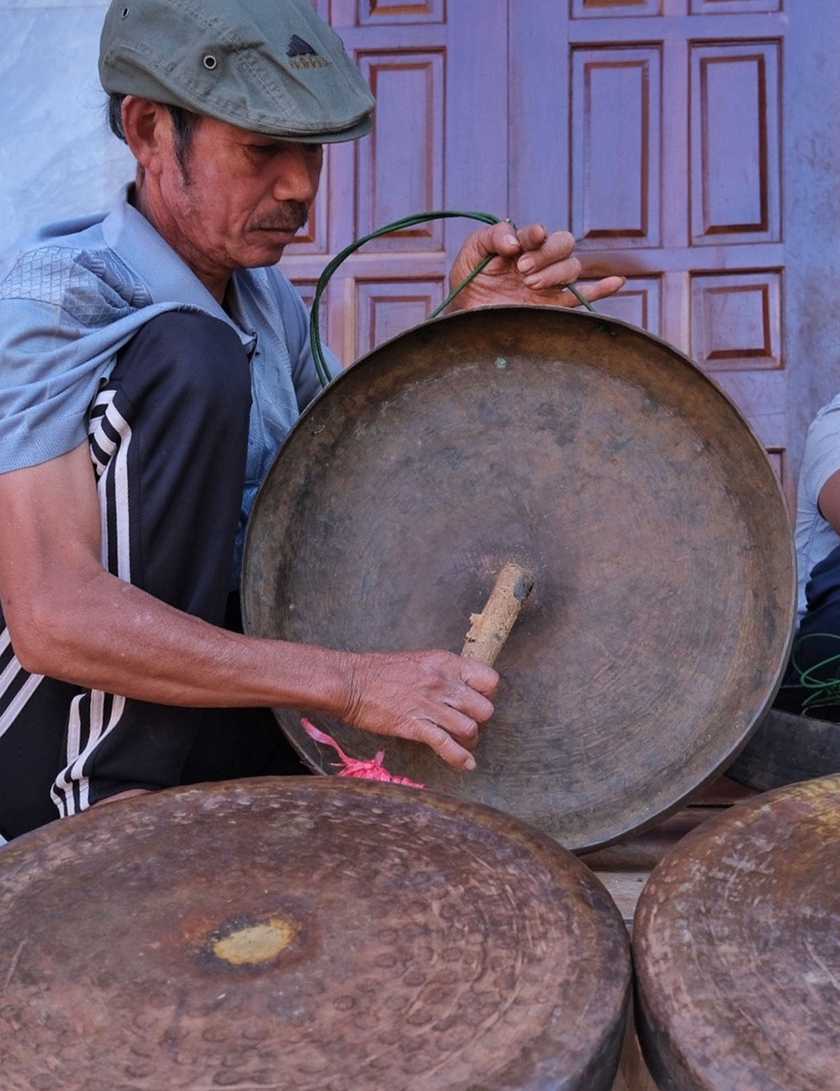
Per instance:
x=737, y=949
x=305, y=934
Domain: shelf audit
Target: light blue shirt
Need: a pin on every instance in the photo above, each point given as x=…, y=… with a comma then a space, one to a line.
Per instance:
x=815, y=537
x=75, y=292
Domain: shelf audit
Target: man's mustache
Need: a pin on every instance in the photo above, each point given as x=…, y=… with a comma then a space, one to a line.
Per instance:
x=289, y=216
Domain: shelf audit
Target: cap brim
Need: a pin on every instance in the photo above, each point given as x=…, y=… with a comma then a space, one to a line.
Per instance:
x=335, y=136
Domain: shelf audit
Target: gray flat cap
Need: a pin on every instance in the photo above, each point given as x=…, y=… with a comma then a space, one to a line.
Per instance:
x=270, y=66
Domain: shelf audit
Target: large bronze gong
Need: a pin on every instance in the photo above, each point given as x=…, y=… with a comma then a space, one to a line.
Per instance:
x=737, y=949
x=608, y=465
x=305, y=934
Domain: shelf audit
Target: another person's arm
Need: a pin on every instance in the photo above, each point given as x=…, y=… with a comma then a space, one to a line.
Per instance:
x=829, y=501
x=70, y=619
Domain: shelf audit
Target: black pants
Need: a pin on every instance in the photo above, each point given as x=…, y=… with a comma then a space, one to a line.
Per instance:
x=168, y=438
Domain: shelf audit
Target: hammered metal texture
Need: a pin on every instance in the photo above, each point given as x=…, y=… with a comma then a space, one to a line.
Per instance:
x=737, y=948
x=603, y=461
x=305, y=934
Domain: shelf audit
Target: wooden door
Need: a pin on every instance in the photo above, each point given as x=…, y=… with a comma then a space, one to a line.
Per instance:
x=440, y=78
x=696, y=152
x=692, y=145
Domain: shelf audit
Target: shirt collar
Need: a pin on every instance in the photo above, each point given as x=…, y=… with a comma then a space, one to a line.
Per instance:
x=166, y=275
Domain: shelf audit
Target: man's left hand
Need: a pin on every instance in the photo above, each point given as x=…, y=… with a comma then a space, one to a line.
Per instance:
x=529, y=266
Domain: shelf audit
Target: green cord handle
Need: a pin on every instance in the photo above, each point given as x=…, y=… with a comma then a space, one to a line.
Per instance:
x=397, y=225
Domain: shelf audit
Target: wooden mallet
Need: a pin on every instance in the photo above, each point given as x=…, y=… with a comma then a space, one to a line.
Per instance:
x=490, y=629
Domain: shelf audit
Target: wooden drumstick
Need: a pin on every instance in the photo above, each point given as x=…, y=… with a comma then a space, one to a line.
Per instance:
x=489, y=630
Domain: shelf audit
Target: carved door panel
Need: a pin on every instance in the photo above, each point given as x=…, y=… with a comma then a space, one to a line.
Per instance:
x=685, y=158
x=693, y=145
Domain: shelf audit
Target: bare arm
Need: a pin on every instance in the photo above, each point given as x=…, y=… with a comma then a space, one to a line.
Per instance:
x=71, y=619
x=530, y=266
x=829, y=501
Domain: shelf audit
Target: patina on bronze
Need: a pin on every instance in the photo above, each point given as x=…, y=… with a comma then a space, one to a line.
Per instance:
x=787, y=748
x=305, y=933
x=737, y=949
x=606, y=464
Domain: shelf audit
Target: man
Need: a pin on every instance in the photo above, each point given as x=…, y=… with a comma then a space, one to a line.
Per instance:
x=152, y=361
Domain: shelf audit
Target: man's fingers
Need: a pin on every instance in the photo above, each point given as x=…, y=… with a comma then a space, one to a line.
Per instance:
x=497, y=238
x=452, y=739
x=599, y=289
x=543, y=249
x=448, y=748
x=528, y=266
x=434, y=697
x=482, y=680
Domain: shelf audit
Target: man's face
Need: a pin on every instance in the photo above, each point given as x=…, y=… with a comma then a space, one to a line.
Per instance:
x=239, y=199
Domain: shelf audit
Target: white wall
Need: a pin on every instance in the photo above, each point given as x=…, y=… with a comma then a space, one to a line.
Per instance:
x=57, y=155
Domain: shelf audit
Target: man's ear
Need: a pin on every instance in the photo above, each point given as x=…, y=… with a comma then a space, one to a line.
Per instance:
x=148, y=129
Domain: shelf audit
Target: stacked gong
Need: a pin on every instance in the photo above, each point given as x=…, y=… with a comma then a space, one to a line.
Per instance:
x=330, y=934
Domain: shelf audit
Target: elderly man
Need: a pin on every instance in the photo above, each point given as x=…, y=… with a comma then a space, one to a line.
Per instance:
x=152, y=361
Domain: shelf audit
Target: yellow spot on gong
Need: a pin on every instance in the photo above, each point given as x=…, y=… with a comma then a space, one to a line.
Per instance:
x=255, y=943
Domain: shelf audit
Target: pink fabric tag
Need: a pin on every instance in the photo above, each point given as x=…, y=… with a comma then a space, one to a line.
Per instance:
x=366, y=768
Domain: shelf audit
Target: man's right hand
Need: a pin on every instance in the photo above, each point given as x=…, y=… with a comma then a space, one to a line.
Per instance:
x=434, y=697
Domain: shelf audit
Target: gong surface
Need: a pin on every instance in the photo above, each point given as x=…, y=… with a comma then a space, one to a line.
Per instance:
x=737, y=949
x=606, y=463
x=305, y=934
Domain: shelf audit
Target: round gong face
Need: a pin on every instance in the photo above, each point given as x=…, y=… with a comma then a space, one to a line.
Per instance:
x=606, y=464
x=737, y=949
x=305, y=933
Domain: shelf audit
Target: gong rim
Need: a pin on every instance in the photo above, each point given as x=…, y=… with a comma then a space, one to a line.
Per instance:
x=735, y=948
x=611, y=419
x=307, y=932
x=785, y=748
